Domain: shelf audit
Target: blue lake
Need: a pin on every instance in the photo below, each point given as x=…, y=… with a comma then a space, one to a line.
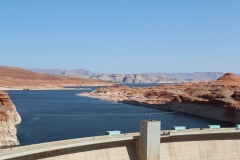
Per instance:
x=60, y=114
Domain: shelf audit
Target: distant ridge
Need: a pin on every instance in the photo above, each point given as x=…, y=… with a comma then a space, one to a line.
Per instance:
x=13, y=77
x=73, y=72
x=115, y=78
x=196, y=76
x=135, y=78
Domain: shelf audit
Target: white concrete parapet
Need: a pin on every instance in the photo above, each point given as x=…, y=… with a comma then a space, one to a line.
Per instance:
x=193, y=143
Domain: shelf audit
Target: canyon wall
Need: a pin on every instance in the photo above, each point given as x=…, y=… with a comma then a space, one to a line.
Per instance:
x=9, y=118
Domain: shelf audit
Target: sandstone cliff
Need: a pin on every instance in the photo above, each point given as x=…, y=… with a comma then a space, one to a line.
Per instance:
x=216, y=99
x=12, y=77
x=9, y=118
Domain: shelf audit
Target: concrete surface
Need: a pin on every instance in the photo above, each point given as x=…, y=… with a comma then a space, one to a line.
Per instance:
x=149, y=140
x=194, y=144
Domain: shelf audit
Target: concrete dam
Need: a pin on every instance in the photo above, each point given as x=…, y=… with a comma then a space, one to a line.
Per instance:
x=151, y=143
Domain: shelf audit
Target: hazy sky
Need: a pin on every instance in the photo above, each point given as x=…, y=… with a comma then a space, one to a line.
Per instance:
x=121, y=36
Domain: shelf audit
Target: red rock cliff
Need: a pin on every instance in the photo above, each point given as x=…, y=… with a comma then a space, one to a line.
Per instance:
x=9, y=118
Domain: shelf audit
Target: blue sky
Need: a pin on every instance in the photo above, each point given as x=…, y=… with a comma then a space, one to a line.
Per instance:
x=121, y=36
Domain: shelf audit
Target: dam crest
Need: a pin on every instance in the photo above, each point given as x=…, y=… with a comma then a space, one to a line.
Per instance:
x=150, y=143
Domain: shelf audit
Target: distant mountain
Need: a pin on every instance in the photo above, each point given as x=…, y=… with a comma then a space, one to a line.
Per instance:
x=196, y=76
x=116, y=78
x=135, y=78
x=72, y=73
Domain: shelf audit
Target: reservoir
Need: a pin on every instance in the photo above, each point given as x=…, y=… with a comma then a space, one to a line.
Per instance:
x=60, y=114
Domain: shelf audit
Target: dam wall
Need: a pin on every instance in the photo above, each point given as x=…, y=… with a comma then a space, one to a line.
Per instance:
x=211, y=146
x=119, y=147
x=194, y=144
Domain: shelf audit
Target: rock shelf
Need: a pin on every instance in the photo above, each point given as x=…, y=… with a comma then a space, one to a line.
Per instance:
x=218, y=99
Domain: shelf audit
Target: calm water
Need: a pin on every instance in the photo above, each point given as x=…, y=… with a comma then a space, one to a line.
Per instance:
x=58, y=115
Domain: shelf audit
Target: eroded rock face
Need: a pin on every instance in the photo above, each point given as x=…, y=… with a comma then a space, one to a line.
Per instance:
x=9, y=118
x=222, y=93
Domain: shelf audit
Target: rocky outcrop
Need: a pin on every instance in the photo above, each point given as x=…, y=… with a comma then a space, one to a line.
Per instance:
x=9, y=118
x=216, y=99
x=12, y=77
x=228, y=79
x=236, y=95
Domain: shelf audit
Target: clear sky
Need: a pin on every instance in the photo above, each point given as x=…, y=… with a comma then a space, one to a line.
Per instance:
x=121, y=36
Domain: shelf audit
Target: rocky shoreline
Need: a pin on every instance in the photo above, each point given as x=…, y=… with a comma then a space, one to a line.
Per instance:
x=218, y=99
x=9, y=119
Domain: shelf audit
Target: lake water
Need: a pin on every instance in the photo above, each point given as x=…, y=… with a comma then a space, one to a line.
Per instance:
x=59, y=115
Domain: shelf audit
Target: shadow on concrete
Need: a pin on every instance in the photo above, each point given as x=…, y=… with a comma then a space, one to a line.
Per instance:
x=120, y=148
x=202, y=137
